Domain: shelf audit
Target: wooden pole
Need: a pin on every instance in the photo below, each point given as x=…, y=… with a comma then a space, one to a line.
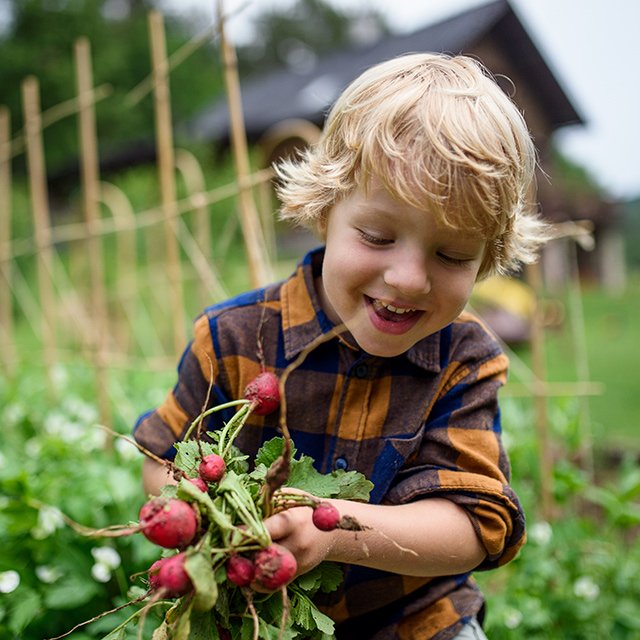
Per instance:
x=7, y=350
x=259, y=266
x=41, y=219
x=166, y=171
x=538, y=365
x=194, y=181
x=126, y=279
x=89, y=174
x=582, y=359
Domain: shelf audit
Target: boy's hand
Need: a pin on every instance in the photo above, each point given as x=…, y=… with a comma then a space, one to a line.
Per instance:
x=293, y=528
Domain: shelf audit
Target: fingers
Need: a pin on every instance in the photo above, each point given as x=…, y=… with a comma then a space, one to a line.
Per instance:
x=284, y=524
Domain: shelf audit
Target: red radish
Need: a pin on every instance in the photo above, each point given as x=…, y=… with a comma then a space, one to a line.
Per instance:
x=212, y=468
x=240, y=570
x=200, y=483
x=264, y=393
x=173, y=577
x=168, y=522
x=275, y=567
x=154, y=570
x=325, y=516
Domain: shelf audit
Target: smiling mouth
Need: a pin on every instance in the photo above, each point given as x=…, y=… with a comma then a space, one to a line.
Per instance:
x=378, y=305
x=390, y=313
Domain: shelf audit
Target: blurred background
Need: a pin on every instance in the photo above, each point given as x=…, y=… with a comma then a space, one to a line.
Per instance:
x=136, y=140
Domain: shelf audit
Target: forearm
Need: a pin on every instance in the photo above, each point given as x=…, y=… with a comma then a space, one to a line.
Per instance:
x=429, y=537
x=155, y=476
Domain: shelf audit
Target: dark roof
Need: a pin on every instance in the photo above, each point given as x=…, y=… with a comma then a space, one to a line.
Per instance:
x=284, y=94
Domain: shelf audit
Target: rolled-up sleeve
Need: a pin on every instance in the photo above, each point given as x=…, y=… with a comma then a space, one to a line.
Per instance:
x=461, y=457
x=158, y=430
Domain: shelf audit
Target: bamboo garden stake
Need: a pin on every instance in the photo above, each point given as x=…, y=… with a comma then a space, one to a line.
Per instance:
x=259, y=264
x=166, y=172
x=189, y=168
x=7, y=352
x=126, y=279
x=41, y=220
x=538, y=366
x=89, y=175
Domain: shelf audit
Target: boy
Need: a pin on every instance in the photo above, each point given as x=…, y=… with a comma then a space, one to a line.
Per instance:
x=419, y=186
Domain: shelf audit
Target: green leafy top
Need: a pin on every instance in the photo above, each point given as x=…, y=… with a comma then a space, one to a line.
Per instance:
x=347, y=485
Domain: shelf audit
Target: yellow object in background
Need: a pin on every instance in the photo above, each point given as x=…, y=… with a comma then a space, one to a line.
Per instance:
x=509, y=294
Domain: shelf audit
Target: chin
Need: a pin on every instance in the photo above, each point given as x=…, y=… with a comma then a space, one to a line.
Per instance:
x=379, y=349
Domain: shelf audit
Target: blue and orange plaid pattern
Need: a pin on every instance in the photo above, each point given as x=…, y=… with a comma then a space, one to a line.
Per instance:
x=422, y=424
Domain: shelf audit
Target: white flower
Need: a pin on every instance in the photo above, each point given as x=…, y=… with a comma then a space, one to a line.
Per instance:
x=56, y=424
x=59, y=377
x=92, y=439
x=9, y=581
x=512, y=618
x=48, y=574
x=126, y=450
x=107, y=556
x=73, y=432
x=586, y=588
x=541, y=533
x=33, y=448
x=107, y=559
x=101, y=572
x=13, y=414
x=49, y=519
x=84, y=411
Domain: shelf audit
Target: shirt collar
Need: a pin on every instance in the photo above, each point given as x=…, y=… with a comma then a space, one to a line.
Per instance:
x=303, y=319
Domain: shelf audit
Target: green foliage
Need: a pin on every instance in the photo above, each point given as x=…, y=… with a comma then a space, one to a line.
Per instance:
x=337, y=484
x=40, y=42
x=571, y=581
x=612, y=335
x=576, y=577
x=53, y=462
x=58, y=479
x=574, y=180
x=631, y=231
x=310, y=28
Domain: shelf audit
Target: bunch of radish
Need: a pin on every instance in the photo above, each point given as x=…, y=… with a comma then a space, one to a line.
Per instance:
x=219, y=573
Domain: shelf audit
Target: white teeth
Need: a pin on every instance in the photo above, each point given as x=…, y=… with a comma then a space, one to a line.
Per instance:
x=390, y=307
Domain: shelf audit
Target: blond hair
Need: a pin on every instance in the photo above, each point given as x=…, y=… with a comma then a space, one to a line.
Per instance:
x=440, y=134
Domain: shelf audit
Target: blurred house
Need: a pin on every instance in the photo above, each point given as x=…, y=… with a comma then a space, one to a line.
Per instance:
x=284, y=109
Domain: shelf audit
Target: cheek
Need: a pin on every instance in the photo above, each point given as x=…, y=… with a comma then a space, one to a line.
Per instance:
x=353, y=267
x=457, y=289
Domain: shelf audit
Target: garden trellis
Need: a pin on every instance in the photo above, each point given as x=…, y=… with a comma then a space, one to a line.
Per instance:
x=67, y=316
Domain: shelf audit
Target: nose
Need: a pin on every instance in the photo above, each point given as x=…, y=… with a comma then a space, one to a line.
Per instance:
x=408, y=273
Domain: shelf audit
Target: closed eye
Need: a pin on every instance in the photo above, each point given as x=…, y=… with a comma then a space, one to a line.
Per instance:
x=374, y=240
x=454, y=261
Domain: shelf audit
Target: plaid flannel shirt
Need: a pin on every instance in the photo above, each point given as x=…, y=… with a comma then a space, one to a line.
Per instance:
x=425, y=423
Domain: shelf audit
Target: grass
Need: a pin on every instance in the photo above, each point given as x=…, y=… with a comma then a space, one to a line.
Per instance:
x=611, y=339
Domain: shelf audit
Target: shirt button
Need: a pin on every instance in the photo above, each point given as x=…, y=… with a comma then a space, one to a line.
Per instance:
x=340, y=463
x=361, y=371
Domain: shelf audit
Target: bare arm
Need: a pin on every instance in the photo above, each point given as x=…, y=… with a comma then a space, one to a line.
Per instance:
x=429, y=537
x=155, y=476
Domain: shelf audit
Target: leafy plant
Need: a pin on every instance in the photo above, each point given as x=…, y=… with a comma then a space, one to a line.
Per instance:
x=53, y=461
x=576, y=577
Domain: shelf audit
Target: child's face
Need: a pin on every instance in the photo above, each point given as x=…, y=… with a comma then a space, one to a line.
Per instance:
x=391, y=274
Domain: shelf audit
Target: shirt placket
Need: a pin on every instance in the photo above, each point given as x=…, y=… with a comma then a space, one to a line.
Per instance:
x=351, y=417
